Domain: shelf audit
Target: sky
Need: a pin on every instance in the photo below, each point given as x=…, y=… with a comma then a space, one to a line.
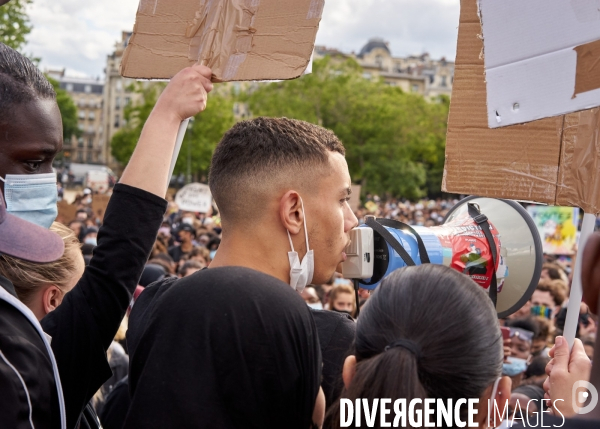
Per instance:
x=78, y=35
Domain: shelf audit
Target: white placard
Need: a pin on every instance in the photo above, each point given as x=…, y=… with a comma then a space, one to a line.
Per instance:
x=530, y=59
x=194, y=197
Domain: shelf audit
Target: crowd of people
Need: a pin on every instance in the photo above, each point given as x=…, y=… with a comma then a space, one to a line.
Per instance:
x=154, y=317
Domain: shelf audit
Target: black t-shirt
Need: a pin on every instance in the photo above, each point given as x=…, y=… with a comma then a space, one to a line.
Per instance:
x=84, y=325
x=336, y=334
x=176, y=253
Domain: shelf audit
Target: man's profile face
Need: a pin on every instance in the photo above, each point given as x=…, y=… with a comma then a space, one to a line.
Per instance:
x=330, y=218
x=31, y=138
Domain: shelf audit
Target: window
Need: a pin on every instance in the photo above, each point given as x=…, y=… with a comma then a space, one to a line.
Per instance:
x=444, y=80
x=82, y=114
x=80, y=126
x=415, y=88
x=92, y=115
x=80, y=142
x=118, y=103
x=69, y=87
x=90, y=142
x=367, y=75
x=117, y=121
x=127, y=101
x=79, y=156
x=89, y=157
x=87, y=89
x=119, y=85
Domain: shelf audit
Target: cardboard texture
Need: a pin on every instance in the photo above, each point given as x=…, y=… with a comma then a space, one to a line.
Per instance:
x=237, y=39
x=99, y=205
x=554, y=160
x=542, y=58
x=66, y=212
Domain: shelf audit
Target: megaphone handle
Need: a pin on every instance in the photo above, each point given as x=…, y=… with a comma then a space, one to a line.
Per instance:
x=572, y=320
x=178, y=143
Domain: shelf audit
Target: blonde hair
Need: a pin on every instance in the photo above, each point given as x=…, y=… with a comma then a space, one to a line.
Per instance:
x=338, y=290
x=29, y=277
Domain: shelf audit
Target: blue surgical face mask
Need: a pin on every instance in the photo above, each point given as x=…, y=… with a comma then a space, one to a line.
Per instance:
x=514, y=366
x=91, y=240
x=315, y=305
x=32, y=197
x=212, y=254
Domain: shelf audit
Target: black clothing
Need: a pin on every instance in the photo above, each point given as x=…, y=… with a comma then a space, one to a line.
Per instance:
x=176, y=253
x=336, y=334
x=226, y=348
x=83, y=326
x=151, y=274
x=24, y=358
x=116, y=406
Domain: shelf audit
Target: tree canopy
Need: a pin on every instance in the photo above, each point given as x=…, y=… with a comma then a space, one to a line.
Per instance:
x=394, y=141
x=14, y=23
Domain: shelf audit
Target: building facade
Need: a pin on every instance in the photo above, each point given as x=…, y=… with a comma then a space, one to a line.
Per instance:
x=87, y=94
x=117, y=95
x=418, y=74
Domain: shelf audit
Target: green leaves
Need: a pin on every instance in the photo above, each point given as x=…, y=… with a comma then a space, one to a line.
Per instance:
x=14, y=23
x=200, y=139
x=394, y=141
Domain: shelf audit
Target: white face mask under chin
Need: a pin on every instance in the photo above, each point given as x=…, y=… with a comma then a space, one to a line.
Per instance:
x=301, y=272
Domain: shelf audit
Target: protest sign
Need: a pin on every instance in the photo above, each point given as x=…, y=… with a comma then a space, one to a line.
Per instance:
x=99, y=204
x=557, y=227
x=553, y=160
x=194, y=197
x=355, y=198
x=66, y=212
x=237, y=39
x=532, y=69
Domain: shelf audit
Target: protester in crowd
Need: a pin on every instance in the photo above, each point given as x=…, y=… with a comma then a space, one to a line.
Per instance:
x=522, y=332
x=189, y=267
x=186, y=235
x=165, y=261
x=29, y=380
x=544, y=335
x=588, y=345
x=553, y=271
x=77, y=228
x=401, y=351
x=83, y=326
x=91, y=236
x=309, y=295
x=546, y=300
x=342, y=299
x=262, y=369
x=570, y=366
x=42, y=287
x=152, y=273
x=200, y=255
x=525, y=400
x=293, y=177
x=536, y=371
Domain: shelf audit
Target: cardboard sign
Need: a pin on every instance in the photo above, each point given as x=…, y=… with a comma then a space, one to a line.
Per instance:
x=542, y=58
x=66, y=212
x=237, y=39
x=99, y=204
x=554, y=160
x=194, y=197
x=557, y=227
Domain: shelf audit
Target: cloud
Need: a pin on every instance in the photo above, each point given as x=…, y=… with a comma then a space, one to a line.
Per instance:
x=80, y=34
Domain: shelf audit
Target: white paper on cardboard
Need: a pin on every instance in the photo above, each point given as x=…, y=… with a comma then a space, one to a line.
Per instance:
x=195, y=197
x=540, y=58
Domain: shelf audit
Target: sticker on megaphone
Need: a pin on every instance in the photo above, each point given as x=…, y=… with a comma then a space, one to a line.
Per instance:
x=381, y=246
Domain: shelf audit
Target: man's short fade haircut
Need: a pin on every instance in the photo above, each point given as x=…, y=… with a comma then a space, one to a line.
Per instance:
x=258, y=156
x=20, y=81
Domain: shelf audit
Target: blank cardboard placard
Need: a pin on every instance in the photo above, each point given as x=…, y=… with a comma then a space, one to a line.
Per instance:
x=554, y=160
x=542, y=58
x=237, y=39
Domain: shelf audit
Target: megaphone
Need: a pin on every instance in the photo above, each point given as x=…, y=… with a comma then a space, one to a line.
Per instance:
x=493, y=241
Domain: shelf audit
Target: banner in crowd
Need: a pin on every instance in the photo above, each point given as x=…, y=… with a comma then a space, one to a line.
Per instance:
x=557, y=227
x=194, y=197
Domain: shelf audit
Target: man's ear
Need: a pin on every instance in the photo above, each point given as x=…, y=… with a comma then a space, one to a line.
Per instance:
x=349, y=370
x=590, y=272
x=486, y=404
x=290, y=212
x=51, y=298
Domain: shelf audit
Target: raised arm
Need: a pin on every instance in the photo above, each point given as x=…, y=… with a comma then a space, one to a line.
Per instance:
x=184, y=97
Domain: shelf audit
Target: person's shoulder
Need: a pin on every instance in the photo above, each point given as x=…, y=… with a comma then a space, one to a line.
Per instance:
x=332, y=317
x=333, y=325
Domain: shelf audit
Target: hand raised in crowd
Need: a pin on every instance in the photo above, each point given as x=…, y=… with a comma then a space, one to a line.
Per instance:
x=186, y=94
x=564, y=370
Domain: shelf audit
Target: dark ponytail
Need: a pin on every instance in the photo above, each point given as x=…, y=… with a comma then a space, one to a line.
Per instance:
x=426, y=332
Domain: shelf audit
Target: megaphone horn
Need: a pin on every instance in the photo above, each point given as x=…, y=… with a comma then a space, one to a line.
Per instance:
x=495, y=242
